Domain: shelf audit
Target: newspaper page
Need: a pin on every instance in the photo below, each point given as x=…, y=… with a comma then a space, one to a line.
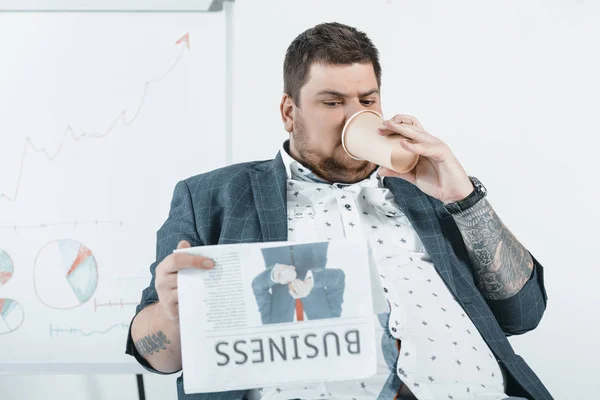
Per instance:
x=277, y=313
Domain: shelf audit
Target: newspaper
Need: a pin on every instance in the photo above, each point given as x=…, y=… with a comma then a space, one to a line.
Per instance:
x=277, y=313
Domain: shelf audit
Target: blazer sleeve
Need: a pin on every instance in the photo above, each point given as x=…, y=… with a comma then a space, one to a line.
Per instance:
x=334, y=283
x=517, y=314
x=523, y=311
x=260, y=286
x=180, y=225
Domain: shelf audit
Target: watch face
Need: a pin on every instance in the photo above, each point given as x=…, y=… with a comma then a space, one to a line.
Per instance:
x=478, y=184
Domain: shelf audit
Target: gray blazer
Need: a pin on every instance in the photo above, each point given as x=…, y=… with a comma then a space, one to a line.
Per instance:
x=246, y=203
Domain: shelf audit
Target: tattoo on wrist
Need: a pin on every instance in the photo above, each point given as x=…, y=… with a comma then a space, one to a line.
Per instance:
x=152, y=344
x=501, y=264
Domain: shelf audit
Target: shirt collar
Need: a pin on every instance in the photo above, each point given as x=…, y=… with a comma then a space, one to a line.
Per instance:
x=297, y=172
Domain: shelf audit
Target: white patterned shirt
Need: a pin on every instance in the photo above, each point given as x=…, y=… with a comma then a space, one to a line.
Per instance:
x=442, y=355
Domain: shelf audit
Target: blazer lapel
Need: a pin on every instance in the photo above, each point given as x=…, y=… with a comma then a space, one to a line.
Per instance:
x=419, y=210
x=269, y=191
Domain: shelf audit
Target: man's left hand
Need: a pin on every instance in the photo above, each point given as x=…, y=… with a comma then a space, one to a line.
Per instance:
x=437, y=173
x=299, y=289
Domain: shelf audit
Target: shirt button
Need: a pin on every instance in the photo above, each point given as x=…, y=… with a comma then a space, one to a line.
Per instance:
x=385, y=290
x=348, y=206
x=393, y=329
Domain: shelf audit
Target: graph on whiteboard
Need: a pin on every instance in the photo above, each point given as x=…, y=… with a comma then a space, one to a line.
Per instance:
x=65, y=274
x=6, y=267
x=95, y=132
x=11, y=315
x=122, y=118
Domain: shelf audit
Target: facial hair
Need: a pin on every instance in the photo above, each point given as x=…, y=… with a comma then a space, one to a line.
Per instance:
x=326, y=167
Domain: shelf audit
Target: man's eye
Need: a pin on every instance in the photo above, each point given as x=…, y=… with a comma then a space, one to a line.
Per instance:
x=332, y=103
x=368, y=102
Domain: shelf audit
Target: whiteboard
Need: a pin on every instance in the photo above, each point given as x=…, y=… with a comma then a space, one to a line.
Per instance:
x=100, y=115
x=111, y=5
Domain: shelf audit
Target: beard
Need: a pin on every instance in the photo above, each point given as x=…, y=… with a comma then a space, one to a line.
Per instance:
x=334, y=167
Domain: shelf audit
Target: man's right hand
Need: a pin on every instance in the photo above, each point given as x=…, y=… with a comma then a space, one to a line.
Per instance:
x=166, y=278
x=283, y=274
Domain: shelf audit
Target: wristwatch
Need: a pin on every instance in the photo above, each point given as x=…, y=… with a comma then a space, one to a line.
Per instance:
x=479, y=193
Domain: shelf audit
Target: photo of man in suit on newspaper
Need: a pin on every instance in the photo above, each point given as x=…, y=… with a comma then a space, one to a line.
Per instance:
x=296, y=285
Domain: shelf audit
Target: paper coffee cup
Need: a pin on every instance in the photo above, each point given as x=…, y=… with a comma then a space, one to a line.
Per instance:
x=361, y=141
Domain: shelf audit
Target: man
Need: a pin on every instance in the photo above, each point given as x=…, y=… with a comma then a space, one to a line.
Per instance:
x=455, y=279
x=296, y=284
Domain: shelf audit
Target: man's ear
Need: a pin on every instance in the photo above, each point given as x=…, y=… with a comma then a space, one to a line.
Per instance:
x=287, y=112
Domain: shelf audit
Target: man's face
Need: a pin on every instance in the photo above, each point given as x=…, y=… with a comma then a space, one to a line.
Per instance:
x=331, y=95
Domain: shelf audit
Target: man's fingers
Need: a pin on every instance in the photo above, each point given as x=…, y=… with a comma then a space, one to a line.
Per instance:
x=294, y=284
x=391, y=128
x=291, y=290
x=165, y=283
x=411, y=132
x=407, y=119
x=184, y=244
x=298, y=285
x=170, y=298
x=173, y=311
x=184, y=260
x=287, y=275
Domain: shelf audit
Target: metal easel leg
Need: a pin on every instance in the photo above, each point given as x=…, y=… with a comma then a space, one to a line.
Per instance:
x=140, y=385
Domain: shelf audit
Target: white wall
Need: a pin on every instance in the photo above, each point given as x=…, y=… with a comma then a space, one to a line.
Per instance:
x=512, y=87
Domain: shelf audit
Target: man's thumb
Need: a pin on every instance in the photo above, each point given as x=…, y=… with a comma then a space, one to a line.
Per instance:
x=184, y=244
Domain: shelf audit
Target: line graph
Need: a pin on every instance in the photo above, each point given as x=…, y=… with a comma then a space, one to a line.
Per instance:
x=70, y=134
x=47, y=225
x=110, y=304
x=56, y=331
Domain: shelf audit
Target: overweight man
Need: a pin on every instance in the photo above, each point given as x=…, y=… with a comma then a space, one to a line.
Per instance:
x=455, y=280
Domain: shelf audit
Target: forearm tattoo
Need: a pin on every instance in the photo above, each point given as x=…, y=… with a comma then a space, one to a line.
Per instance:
x=152, y=344
x=501, y=264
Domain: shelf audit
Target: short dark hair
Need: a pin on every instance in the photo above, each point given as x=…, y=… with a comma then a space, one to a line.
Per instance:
x=327, y=43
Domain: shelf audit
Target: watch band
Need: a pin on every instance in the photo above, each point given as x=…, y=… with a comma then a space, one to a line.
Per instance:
x=473, y=198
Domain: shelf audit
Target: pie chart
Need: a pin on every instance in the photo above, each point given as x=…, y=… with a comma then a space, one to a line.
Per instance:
x=11, y=315
x=6, y=267
x=65, y=274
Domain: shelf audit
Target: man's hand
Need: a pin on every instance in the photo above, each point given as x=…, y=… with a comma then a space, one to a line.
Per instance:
x=283, y=274
x=166, y=278
x=301, y=288
x=438, y=173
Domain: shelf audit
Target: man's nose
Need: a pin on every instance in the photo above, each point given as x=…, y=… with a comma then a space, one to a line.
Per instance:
x=353, y=108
